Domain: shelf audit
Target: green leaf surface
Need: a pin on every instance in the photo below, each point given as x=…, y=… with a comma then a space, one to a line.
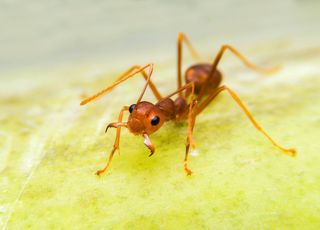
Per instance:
x=50, y=148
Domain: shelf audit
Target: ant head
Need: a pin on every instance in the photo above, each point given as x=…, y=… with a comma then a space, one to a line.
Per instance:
x=144, y=117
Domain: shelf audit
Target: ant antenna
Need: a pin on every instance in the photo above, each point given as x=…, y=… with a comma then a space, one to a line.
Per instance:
x=109, y=88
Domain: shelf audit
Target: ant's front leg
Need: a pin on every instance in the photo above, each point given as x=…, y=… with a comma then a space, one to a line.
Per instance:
x=191, y=121
x=101, y=171
x=117, y=125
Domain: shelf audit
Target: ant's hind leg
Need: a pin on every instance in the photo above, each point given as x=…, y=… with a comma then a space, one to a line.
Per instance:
x=203, y=105
x=245, y=61
x=191, y=122
x=115, y=145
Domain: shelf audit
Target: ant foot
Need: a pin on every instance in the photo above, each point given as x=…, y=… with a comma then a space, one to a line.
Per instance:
x=291, y=152
x=188, y=171
x=99, y=172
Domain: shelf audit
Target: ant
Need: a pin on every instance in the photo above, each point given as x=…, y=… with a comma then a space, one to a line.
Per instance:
x=203, y=84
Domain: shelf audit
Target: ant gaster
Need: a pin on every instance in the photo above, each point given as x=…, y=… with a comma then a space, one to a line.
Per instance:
x=202, y=85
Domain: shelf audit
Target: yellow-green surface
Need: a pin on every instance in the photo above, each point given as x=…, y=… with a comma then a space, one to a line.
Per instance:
x=50, y=148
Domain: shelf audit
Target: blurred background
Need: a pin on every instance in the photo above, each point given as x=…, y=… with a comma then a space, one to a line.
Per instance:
x=53, y=53
x=62, y=33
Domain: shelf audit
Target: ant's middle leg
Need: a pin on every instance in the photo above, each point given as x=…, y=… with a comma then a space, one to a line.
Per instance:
x=191, y=121
x=204, y=104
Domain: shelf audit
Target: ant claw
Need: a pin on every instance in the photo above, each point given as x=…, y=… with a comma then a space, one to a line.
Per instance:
x=99, y=172
x=188, y=171
x=152, y=152
x=291, y=152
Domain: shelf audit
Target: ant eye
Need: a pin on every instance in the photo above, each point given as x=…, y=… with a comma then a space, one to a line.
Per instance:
x=155, y=120
x=131, y=108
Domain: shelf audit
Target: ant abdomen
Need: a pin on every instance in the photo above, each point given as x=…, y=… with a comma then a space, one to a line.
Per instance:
x=204, y=78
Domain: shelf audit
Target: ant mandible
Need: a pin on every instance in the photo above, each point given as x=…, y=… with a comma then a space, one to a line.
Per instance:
x=203, y=84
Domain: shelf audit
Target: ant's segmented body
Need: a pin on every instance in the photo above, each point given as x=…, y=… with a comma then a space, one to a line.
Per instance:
x=203, y=84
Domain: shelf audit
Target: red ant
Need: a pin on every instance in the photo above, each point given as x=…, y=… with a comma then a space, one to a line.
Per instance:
x=203, y=84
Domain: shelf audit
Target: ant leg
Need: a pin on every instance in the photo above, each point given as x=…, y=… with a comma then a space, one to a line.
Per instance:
x=101, y=171
x=116, y=142
x=183, y=38
x=191, y=117
x=243, y=59
x=191, y=105
x=191, y=122
x=186, y=86
x=288, y=151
